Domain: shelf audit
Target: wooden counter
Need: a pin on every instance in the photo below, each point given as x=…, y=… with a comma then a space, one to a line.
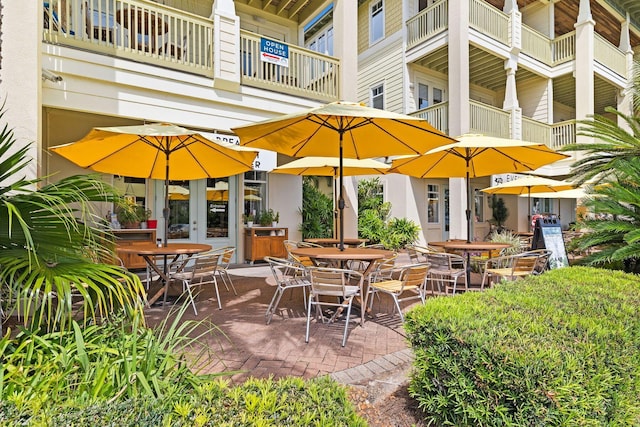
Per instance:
x=260, y=242
x=127, y=237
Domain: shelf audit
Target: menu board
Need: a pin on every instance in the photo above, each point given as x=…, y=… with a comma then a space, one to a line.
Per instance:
x=547, y=234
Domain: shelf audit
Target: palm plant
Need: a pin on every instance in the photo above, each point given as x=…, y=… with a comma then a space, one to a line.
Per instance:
x=51, y=246
x=612, y=159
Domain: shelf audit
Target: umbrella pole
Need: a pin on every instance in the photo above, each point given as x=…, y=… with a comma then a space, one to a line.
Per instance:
x=529, y=208
x=341, y=202
x=468, y=211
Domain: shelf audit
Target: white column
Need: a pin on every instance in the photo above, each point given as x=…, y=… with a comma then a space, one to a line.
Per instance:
x=625, y=99
x=584, y=69
x=345, y=47
x=226, y=45
x=21, y=82
x=458, y=106
x=511, y=98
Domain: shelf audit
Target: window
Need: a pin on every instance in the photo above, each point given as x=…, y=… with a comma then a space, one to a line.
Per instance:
x=479, y=205
x=255, y=192
x=377, y=97
x=217, y=207
x=318, y=34
x=376, y=21
x=433, y=203
x=428, y=95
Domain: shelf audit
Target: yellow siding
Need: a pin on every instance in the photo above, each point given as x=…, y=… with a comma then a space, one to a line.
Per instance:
x=392, y=21
x=385, y=67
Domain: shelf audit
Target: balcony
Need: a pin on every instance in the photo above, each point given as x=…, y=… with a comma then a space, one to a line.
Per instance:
x=159, y=35
x=493, y=121
x=497, y=25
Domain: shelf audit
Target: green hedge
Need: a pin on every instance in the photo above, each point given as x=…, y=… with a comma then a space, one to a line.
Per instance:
x=285, y=402
x=562, y=348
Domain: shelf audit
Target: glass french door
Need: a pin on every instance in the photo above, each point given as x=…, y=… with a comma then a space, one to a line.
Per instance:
x=201, y=211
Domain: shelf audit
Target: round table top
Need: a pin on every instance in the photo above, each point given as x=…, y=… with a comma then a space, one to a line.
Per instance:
x=470, y=246
x=360, y=254
x=334, y=241
x=170, y=249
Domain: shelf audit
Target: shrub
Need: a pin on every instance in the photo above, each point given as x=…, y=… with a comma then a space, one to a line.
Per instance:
x=317, y=211
x=562, y=348
x=288, y=401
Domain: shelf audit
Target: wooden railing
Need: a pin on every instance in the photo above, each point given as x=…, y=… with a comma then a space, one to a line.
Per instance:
x=554, y=136
x=437, y=115
x=427, y=23
x=489, y=120
x=564, y=133
x=610, y=56
x=536, y=45
x=134, y=29
x=308, y=74
x=149, y=32
x=489, y=20
x=564, y=48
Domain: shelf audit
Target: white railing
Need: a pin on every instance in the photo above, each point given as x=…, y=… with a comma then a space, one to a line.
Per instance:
x=489, y=20
x=564, y=133
x=535, y=131
x=135, y=29
x=536, y=45
x=437, y=115
x=308, y=73
x=427, y=23
x=489, y=120
x=610, y=56
x=564, y=48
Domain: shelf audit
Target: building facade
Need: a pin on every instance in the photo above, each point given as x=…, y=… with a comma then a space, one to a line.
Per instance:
x=523, y=69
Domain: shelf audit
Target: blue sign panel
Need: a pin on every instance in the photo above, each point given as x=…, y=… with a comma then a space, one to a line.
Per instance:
x=274, y=52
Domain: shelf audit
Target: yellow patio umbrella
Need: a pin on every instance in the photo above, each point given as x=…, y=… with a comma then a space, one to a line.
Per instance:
x=343, y=130
x=329, y=166
x=157, y=151
x=476, y=155
x=527, y=185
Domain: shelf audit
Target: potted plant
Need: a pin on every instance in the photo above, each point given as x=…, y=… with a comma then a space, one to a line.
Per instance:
x=276, y=219
x=248, y=219
x=145, y=215
x=267, y=218
x=130, y=215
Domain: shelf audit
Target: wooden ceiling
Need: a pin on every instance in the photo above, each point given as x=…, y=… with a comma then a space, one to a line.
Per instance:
x=295, y=10
x=607, y=24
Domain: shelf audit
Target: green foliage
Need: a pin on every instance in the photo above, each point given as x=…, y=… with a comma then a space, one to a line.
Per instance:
x=50, y=241
x=612, y=236
x=267, y=217
x=499, y=211
x=506, y=236
x=288, y=401
x=115, y=359
x=557, y=349
x=373, y=218
x=317, y=211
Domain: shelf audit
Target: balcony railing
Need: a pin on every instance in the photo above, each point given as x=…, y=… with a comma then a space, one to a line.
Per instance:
x=133, y=29
x=554, y=136
x=493, y=121
x=426, y=24
x=564, y=48
x=536, y=45
x=308, y=73
x=489, y=20
x=152, y=33
x=489, y=120
x=610, y=56
x=437, y=115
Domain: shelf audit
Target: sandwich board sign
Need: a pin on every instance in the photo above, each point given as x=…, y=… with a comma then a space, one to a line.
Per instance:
x=547, y=234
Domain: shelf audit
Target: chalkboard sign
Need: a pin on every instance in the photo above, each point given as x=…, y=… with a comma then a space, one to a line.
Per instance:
x=547, y=234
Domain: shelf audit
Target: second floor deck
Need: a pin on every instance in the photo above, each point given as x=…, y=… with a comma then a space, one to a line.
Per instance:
x=162, y=36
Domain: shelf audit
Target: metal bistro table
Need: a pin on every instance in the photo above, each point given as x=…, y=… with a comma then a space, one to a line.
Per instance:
x=348, y=254
x=174, y=251
x=468, y=247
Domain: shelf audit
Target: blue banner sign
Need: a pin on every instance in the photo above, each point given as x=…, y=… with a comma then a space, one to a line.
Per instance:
x=274, y=52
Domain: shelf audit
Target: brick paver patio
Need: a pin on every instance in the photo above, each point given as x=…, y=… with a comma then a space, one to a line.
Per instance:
x=239, y=341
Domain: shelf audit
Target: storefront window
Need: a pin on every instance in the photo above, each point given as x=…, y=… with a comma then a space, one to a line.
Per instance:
x=479, y=205
x=433, y=203
x=179, y=196
x=218, y=207
x=255, y=192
